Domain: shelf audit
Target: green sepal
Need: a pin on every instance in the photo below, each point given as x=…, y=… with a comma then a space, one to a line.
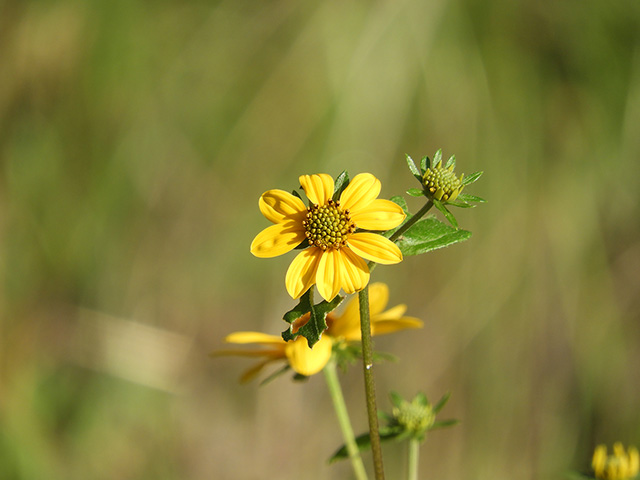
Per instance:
x=437, y=159
x=340, y=184
x=303, y=245
x=451, y=161
x=448, y=215
x=312, y=330
x=364, y=442
x=442, y=402
x=444, y=423
x=275, y=375
x=396, y=399
x=296, y=194
x=471, y=178
x=414, y=169
x=415, y=192
x=465, y=197
x=425, y=163
x=429, y=234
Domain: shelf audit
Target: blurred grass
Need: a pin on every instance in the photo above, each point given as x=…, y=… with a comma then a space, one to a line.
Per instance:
x=135, y=139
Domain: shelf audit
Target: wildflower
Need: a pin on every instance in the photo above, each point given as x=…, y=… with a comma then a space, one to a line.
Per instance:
x=621, y=465
x=342, y=328
x=337, y=244
x=442, y=183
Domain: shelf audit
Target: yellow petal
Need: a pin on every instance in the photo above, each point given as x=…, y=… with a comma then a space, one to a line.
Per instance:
x=253, y=337
x=355, y=273
x=329, y=274
x=379, y=215
x=347, y=325
x=252, y=372
x=277, y=239
x=308, y=361
x=302, y=271
x=278, y=206
x=382, y=327
x=319, y=187
x=378, y=298
x=375, y=247
x=361, y=191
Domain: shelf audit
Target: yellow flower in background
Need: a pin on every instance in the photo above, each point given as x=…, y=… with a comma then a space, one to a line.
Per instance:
x=337, y=246
x=621, y=465
x=344, y=327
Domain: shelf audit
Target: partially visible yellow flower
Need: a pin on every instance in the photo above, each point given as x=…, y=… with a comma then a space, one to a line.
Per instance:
x=620, y=465
x=301, y=358
x=337, y=246
x=344, y=327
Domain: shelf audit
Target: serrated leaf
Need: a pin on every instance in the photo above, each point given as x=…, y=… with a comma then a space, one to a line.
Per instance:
x=437, y=158
x=471, y=178
x=465, y=197
x=312, y=330
x=451, y=161
x=429, y=234
x=425, y=163
x=414, y=169
x=442, y=402
x=448, y=215
x=364, y=443
x=415, y=192
x=340, y=184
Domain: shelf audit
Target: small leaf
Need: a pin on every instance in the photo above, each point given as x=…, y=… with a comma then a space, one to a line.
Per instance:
x=465, y=197
x=437, y=158
x=442, y=402
x=312, y=330
x=471, y=178
x=448, y=215
x=364, y=443
x=455, y=203
x=444, y=423
x=424, y=164
x=415, y=192
x=414, y=169
x=340, y=184
x=451, y=161
x=429, y=234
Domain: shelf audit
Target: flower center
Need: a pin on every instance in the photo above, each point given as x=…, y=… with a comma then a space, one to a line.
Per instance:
x=442, y=183
x=328, y=226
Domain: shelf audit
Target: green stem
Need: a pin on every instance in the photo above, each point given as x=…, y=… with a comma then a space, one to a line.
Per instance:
x=369, y=383
x=409, y=223
x=331, y=376
x=412, y=459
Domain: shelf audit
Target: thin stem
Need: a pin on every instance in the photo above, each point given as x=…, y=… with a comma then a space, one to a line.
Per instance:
x=369, y=383
x=412, y=459
x=331, y=376
x=409, y=223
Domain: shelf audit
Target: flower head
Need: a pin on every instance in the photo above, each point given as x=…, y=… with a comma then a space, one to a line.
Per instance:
x=442, y=182
x=341, y=328
x=338, y=245
x=620, y=465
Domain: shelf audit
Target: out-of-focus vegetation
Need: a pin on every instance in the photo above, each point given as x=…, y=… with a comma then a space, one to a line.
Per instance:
x=135, y=140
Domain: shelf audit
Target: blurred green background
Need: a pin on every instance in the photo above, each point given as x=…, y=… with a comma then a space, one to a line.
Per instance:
x=135, y=140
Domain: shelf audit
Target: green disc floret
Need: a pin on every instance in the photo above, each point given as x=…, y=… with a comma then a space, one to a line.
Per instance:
x=328, y=226
x=442, y=183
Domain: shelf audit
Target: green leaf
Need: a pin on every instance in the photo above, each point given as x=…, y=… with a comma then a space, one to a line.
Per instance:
x=448, y=215
x=415, y=192
x=414, y=169
x=424, y=164
x=465, y=197
x=340, y=184
x=429, y=234
x=444, y=423
x=442, y=402
x=364, y=443
x=471, y=178
x=437, y=158
x=455, y=203
x=312, y=330
x=451, y=161
x=422, y=399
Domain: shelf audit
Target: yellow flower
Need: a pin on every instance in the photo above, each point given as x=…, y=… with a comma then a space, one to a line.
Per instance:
x=337, y=246
x=344, y=327
x=621, y=465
